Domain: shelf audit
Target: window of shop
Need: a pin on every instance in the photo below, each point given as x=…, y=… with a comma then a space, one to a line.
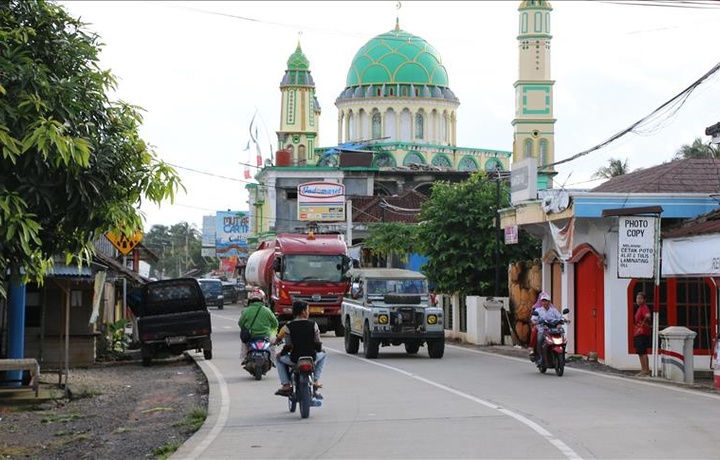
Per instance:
x=684, y=302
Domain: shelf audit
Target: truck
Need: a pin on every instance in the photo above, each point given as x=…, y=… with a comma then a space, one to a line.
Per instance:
x=309, y=267
x=391, y=306
x=172, y=317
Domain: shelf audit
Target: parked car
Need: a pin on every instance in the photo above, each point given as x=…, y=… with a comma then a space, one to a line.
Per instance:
x=213, y=290
x=230, y=292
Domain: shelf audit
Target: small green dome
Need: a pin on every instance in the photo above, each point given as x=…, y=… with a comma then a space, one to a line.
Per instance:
x=297, y=60
x=397, y=57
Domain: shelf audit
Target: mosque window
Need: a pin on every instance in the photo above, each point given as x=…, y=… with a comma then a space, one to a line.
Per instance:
x=378, y=92
x=404, y=91
x=419, y=126
x=538, y=22
x=302, y=157
x=441, y=160
x=413, y=158
x=524, y=23
x=392, y=92
x=467, y=164
x=383, y=159
x=543, y=152
x=528, y=150
x=290, y=115
x=417, y=92
x=376, y=126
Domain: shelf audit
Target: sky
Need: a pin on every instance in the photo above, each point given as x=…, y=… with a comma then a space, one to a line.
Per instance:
x=202, y=70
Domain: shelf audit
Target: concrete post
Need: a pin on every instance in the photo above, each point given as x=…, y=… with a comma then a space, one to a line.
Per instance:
x=676, y=351
x=475, y=320
x=493, y=320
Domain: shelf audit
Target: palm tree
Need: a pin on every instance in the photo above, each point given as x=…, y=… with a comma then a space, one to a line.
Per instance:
x=697, y=150
x=615, y=167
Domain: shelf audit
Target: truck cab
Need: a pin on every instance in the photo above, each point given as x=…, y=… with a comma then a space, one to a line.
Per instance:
x=390, y=306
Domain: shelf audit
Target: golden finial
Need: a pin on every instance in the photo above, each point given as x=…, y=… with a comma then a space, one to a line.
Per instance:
x=398, y=5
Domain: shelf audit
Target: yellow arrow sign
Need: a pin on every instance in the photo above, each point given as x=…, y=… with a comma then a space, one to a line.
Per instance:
x=123, y=243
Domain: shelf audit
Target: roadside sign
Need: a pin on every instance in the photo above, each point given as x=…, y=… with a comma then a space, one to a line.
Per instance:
x=123, y=243
x=636, y=247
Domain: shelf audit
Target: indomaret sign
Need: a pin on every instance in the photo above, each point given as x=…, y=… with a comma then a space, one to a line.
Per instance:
x=321, y=201
x=636, y=247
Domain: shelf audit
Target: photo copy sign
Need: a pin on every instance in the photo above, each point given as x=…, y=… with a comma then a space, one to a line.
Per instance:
x=636, y=247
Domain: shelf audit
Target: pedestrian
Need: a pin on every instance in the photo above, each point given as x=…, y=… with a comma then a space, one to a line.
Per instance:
x=641, y=333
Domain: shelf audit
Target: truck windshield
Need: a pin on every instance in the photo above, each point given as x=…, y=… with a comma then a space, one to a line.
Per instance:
x=312, y=267
x=391, y=286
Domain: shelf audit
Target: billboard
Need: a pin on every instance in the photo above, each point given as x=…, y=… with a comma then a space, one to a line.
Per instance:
x=231, y=232
x=321, y=202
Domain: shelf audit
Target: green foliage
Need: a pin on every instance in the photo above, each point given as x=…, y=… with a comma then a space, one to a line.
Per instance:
x=119, y=341
x=391, y=238
x=615, y=167
x=458, y=235
x=179, y=249
x=72, y=163
x=697, y=150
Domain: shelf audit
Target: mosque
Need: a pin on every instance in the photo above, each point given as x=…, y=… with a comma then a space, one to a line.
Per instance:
x=397, y=131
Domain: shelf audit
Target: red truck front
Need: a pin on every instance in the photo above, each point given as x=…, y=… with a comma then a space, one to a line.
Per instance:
x=312, y=268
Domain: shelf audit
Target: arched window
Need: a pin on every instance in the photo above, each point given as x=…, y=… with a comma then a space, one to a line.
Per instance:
x=467, y=164
x=383, y=159
x=351, y=126
x=419, y=126
x=376, y=126
x=441, y=160
x=528, y=150
x=543, y=156
x=301, y=157
x=413, y=157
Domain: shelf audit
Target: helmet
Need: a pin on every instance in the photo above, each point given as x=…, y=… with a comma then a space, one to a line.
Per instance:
x=256, y=295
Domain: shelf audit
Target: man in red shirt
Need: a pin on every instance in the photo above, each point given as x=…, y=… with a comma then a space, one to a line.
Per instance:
x=642, y=339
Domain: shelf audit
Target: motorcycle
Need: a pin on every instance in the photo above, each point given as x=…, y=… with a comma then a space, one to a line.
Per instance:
x=552, y=348
x=301, y=378
x=258, y=361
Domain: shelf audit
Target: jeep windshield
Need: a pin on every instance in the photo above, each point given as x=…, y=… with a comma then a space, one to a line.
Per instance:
x=380, y=287
x=312, y=267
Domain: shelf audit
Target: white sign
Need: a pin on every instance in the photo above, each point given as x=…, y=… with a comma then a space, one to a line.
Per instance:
x=523, y=180
x=636, y=247
x=321, y=201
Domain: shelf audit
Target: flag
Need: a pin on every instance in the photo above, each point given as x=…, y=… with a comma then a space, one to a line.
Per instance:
x=247, y=173
x=258, y=155
x=247, y=147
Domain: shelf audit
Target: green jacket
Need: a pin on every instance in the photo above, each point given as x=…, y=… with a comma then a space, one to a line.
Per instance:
x=265, y=325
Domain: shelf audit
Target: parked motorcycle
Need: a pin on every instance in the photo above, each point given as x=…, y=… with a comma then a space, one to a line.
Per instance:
x=258, y=361
x=552, y=348
x=301, y=378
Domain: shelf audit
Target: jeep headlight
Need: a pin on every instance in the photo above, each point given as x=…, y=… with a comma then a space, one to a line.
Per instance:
x=382, y=319
x=432, y=319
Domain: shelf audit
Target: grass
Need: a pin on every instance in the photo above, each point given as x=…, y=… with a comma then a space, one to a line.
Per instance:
x=194, y=420
x=165, y=451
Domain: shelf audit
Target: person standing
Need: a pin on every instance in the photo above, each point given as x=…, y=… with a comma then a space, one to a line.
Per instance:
x=642, y=339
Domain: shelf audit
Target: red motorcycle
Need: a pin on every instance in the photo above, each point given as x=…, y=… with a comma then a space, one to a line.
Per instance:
x=552, y=348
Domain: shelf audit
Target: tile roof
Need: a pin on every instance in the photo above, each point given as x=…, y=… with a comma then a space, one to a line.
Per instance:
x=383, y=208
x=679, y=176
x=701, y=225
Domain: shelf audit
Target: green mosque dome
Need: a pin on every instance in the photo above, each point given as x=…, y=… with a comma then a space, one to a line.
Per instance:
x=298, y=70
x=397, y=59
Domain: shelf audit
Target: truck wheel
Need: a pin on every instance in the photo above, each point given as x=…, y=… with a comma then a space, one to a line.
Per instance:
x=352, y=342
x=436, y=348
x=207, y=354
x=146, y=360
x=339, y=329
x=412, y=347
x=370, y=346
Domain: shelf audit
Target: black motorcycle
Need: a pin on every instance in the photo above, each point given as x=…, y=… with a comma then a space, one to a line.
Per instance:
x=301, y=378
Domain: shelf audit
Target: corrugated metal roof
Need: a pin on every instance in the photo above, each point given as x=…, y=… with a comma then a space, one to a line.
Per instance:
x=60, y=269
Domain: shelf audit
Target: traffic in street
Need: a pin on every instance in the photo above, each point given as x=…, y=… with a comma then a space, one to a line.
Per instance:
x=470, y=404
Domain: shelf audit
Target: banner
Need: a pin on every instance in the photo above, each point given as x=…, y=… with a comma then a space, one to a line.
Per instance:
x=694, y=256
x=636, y=247
x=563, y=238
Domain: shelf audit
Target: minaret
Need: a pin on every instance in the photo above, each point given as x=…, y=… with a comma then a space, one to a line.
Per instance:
x=299, y=112
x=534, y=125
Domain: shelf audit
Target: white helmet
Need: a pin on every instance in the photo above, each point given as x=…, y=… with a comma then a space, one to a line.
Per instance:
x=256, y=295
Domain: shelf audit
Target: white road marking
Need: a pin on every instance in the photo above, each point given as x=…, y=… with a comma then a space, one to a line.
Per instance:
x=549, y=437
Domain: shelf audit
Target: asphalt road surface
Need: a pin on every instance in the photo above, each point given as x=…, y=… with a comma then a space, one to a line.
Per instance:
x=469, y=404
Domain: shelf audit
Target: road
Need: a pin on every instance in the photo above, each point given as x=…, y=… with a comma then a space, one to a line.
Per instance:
x=469, y=404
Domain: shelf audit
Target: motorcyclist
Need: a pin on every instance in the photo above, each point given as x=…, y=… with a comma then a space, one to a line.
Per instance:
x=302, y=338
x=257, y=318
x=546, y=313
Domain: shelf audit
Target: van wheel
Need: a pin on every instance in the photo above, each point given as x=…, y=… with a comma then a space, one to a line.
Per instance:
x=207, y=354
x=146, y=360
x=370, y=346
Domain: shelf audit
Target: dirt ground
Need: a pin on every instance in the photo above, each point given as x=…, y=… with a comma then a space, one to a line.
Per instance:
x=116, y=410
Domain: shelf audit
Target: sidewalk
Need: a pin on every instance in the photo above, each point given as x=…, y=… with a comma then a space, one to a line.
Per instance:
x=703, y=379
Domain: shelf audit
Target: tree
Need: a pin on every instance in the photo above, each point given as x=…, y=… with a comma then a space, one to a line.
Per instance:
x=458, y=235
x=387, y=239
x=697, y=150
x=615, y=167
x=73, y=165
